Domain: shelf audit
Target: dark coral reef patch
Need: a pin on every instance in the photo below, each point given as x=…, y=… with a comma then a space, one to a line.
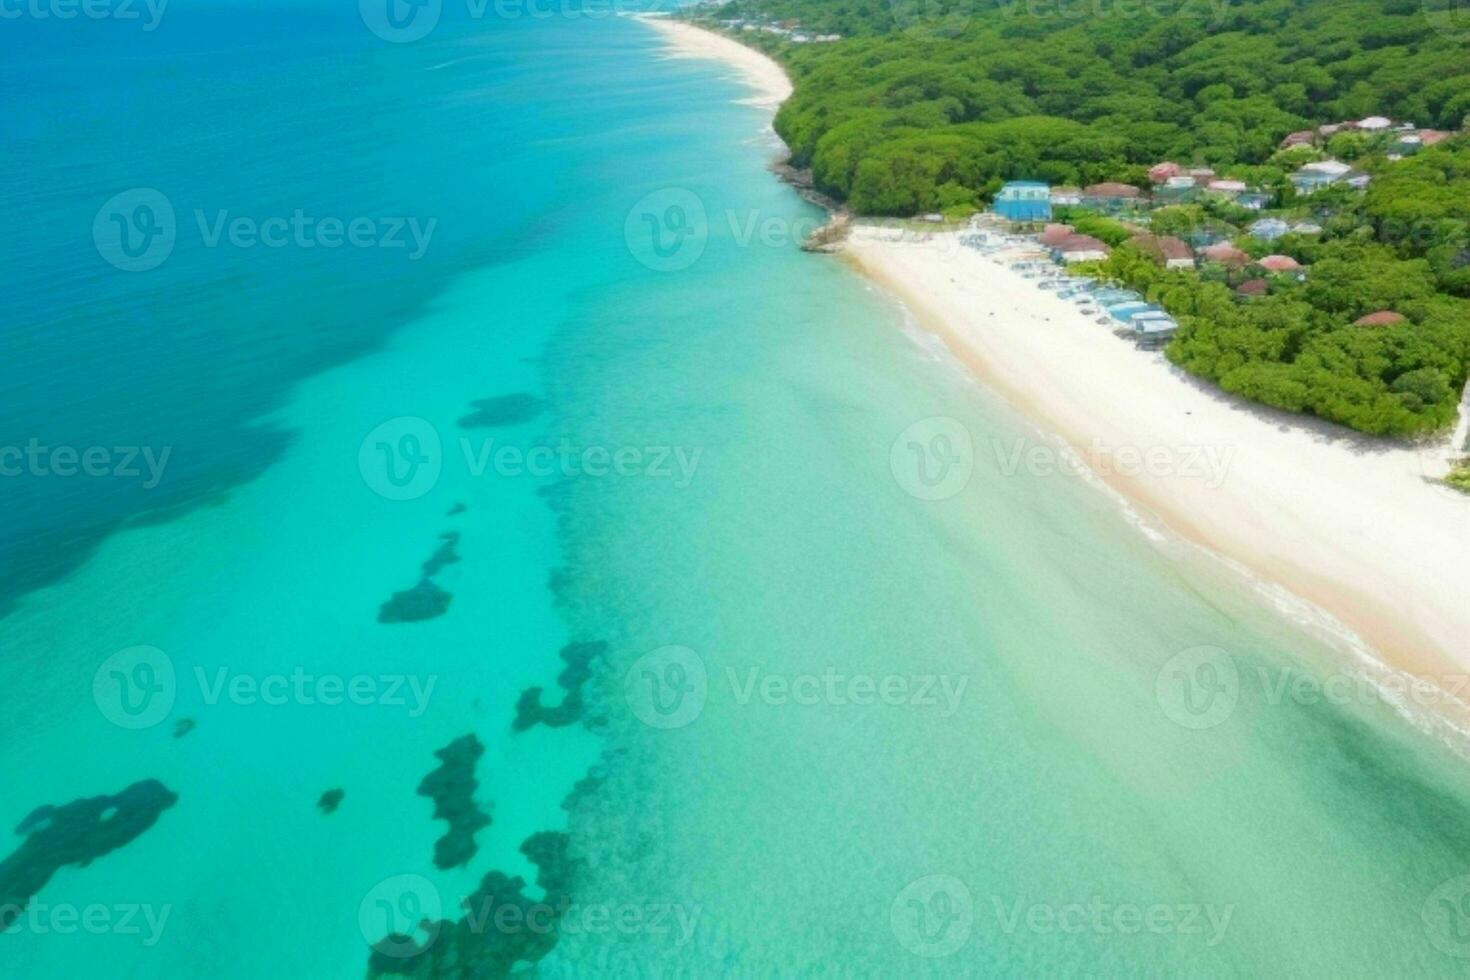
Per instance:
x=503, y=929
x=529, y=709
x=452, y=788
x=445, y=554
x=75, y=834
x=424, y=601
x=505, y=410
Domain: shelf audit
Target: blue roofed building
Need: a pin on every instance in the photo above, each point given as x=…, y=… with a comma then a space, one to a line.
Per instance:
x=1024, y=200
x=1269, y=229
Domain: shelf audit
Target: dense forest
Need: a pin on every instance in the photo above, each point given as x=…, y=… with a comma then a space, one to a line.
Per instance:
x=1402, y=247
x=930, y=105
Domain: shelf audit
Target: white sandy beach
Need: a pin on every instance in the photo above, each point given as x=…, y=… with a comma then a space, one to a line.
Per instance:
x=1351, y=524
x=756, y=70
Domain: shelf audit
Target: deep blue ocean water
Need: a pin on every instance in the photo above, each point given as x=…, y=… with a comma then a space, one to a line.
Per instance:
x=237, y=111
x=330, y=414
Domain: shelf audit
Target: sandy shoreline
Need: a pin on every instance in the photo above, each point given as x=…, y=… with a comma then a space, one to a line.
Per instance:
x=1351, y=525
x=756, y=70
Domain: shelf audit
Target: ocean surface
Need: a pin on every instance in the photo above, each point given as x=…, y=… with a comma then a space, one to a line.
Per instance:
x=841, y=672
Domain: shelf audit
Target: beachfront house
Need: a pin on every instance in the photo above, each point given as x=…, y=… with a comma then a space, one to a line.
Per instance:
x=1054, y=235
x=1279, y=263
x=1062, y=197
x=1269, y=229
x=1226, y=188
x=1253, y=200
x=1112, y=296
x=1154, y=331
x=1123, y=312
x=1226, y=254
x=1161, y=173
x=1080, y=248
x=1024, y=201
x=1166, y=250
x=1110, y=196
x=1175, y=189
x=1252, y=288
x=1315, y=176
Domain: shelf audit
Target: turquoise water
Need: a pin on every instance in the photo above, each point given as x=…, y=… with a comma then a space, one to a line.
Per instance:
x=1034, y=794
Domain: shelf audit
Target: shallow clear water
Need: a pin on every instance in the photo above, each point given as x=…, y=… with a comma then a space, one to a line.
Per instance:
x=1032, y=792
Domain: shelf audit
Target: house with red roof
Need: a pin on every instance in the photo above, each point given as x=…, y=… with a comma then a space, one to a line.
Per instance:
x=1054, y=234
x=1166, y=250
x=1226, y=254
x=1081, y=248
x=1280, y=263
x=1161, y=172
x=1382, y=318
